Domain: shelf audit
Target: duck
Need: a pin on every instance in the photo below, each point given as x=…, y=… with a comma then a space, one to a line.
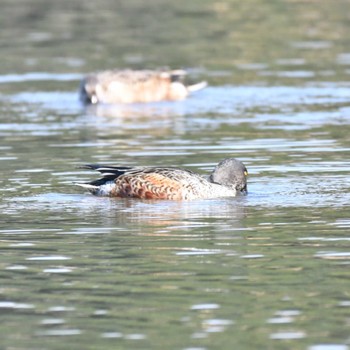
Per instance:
x=228, y=179
x=136, y=86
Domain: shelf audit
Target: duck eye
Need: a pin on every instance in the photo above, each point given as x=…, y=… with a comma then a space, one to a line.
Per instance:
x=246, y=172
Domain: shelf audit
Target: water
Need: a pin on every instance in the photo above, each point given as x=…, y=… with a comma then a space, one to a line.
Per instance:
x=265, y=271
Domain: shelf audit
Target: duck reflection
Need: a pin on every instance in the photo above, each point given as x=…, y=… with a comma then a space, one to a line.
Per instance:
x=173, y=215
x=136, y=110
x=135, y=214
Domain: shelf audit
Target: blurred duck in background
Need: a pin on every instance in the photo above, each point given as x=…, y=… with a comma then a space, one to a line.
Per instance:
x=133, y=86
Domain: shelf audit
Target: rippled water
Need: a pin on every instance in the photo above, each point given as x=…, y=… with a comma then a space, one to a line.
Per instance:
x=265, y=271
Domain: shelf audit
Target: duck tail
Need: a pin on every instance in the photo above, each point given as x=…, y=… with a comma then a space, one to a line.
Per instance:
x=197, y=87
x=88, y=186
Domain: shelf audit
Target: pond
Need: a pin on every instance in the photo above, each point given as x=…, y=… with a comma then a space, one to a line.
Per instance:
x=266, y=271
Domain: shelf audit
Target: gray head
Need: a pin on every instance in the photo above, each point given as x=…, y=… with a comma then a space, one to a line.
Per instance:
x=231, y=173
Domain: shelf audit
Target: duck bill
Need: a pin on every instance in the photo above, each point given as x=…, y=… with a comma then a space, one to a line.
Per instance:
x=244, y=191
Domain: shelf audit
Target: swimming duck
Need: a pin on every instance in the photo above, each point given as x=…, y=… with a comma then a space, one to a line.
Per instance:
x=228, y=179
x=130, y=86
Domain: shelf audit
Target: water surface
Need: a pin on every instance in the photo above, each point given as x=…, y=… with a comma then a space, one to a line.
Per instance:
x=269, y=270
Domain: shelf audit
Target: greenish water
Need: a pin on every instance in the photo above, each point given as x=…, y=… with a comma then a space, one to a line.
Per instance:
x=267, y=271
